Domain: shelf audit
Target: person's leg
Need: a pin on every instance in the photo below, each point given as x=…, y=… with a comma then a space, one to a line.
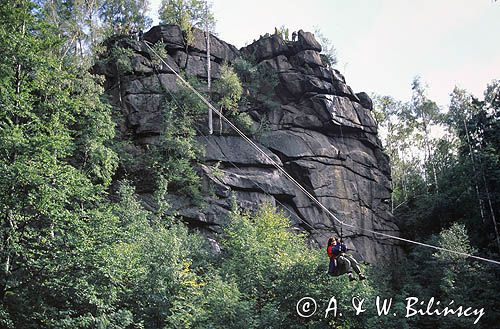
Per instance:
x=355, y=266
x=331, y=267
x=345, y=265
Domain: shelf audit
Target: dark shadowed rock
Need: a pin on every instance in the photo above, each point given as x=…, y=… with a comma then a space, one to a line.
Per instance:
x=141, y=64
x=171, y=35
x=235, y=149
x=365, y=100
x=167, y=65
x=343, y=89
x=150, y=84
x=136, y=46
x=279, y=64
x=143, y=113
x=306, y=41
x=296, y=116
x=197, y=66
x=265, y=48
x=298, y=84
x=220, y=50
x=308, y=57
x=318, y=71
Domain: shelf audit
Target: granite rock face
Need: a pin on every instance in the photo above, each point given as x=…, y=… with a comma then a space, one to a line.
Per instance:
x=320, y=131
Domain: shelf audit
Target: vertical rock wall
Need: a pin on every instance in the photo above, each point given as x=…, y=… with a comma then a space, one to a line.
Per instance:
x=318, y=130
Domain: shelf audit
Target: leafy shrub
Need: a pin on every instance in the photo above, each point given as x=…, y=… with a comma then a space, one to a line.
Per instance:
x=259, y=83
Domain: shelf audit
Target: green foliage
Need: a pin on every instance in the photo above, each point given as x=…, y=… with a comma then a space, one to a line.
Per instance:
x=244, y=122
x=124, y=14
x=447, y=196
x=83, y=25
x=79, y=250
x=283, y=32
x=118, y=58
x=328, y=52
x=259, y=83
x=228, y=88
x=447, y=276
x=161, y=50
x=188, y=14
x=55, y=165
x=449, y=178
x=274, y=268
x=185, y=13
x=150, y=263
x=174, y=159
x=398, y=135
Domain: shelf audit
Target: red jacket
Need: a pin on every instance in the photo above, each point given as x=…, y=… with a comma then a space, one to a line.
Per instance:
x=330, y=251
x=335, y=250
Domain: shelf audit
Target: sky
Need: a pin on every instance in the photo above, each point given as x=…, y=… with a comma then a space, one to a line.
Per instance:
x=382, y=45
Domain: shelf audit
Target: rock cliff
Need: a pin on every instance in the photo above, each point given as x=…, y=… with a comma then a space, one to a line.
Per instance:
x=317, y=129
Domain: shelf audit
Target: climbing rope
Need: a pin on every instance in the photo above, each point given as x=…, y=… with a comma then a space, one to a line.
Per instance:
x=299, y=186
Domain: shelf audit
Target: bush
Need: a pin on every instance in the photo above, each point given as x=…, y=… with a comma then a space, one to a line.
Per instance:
x=274, y=268
x=260, y=83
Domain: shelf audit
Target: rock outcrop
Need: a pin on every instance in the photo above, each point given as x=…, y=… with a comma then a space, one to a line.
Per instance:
x=320, y=131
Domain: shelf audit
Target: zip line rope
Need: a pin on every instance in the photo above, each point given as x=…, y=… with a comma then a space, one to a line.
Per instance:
x=291, y=212
x=303, y=189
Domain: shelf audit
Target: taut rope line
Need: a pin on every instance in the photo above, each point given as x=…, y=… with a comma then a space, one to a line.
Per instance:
x=286, y=174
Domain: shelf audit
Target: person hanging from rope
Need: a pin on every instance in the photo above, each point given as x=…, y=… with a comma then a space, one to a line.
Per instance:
x=341, y=251
x=340, y=263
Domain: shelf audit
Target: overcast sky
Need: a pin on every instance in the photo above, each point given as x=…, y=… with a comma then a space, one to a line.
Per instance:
x=382, y=44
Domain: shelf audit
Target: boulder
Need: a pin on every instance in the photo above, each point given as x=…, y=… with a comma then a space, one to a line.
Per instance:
x=294, y=115
x=220, y=50
x=318, y=71
x=278, y=64
x=169, y=34
x=265, y=48
x=197, y=66
x=140, y=64
x=298, y=143
x=306, y=41
x=297, y=84
x=143, y=113
x=365, y=100
x=266, y=180
x=308, y=58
